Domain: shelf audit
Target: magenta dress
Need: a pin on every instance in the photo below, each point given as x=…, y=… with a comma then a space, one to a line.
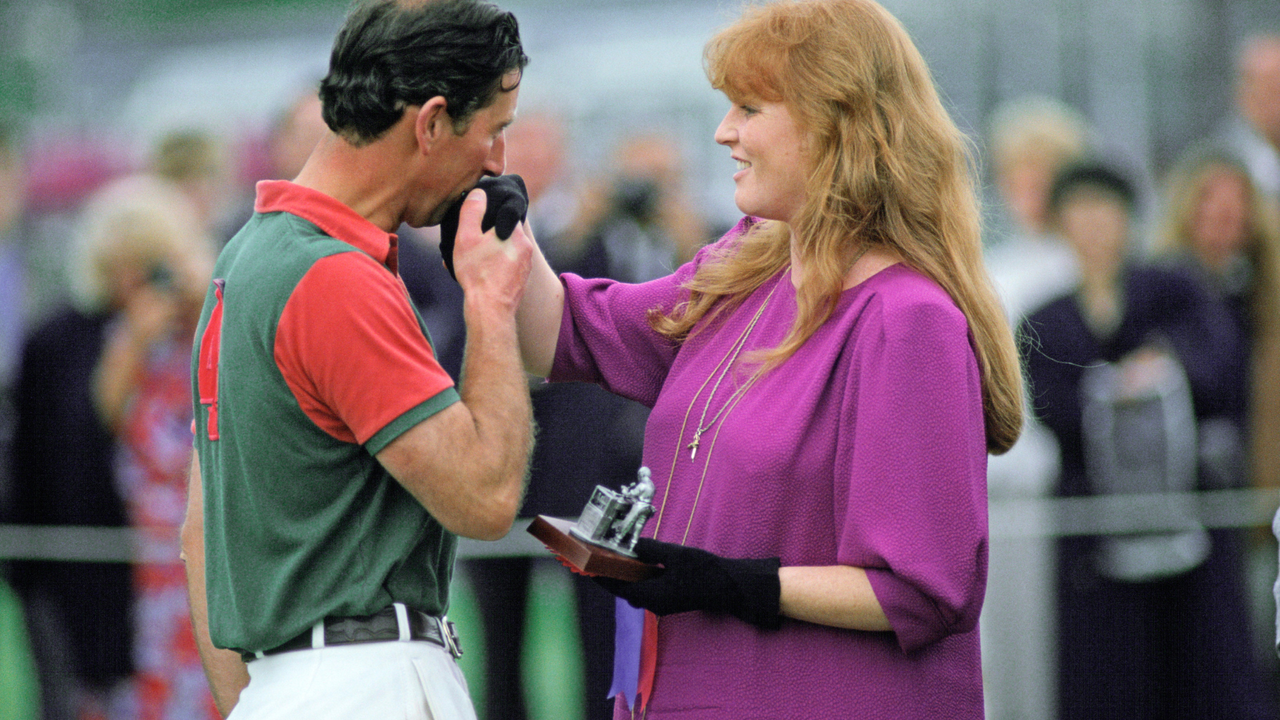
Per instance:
x=865, y=448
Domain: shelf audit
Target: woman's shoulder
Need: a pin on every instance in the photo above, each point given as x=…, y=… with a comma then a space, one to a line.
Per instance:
x=729, y=240
x=1166, y=273
x=906, y=298
x=1167, y=285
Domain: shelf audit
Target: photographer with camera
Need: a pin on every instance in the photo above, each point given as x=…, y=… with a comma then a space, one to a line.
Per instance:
x=637, y=225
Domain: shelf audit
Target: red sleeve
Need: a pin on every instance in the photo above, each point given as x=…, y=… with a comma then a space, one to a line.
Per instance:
x=352, y=350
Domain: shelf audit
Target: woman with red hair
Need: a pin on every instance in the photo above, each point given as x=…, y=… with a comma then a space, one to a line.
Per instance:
x=826, y=383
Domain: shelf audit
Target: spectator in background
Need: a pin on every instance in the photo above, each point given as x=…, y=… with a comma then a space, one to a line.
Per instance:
x=79, y=614
x=16, y=662
x=1254, y=133
x=1030, y=140
x=637, y=223
x=294, y=132
x=1151, y=624
x=142, y=394
x=1218, y=226
x=536, y=150
x=197, y=162
x=294, y=135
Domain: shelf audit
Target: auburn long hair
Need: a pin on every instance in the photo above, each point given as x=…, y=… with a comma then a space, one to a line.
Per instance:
x=890, y=168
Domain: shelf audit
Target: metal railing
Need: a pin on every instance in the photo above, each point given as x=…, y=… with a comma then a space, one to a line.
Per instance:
x=1010, y=519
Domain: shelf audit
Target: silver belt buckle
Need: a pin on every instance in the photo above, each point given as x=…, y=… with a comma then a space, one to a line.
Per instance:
x=450, y=635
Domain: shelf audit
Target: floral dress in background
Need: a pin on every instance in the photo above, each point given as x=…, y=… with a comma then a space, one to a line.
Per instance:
x=152, y=465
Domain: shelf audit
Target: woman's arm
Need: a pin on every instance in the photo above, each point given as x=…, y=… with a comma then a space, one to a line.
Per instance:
x=539, y=314
x=910, y=480
x=147, y=315
x=838, y=595
x=755, y=590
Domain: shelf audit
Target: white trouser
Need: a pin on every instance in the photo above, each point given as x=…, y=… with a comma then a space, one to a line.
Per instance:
x=413, y=680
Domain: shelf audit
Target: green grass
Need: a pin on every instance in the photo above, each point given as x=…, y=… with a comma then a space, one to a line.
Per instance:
x=19, y=687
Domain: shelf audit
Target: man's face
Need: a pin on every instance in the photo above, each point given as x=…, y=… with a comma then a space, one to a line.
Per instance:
x=460, y=160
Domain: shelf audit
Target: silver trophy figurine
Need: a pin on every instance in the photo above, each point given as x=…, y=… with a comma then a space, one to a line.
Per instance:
x=614, y=519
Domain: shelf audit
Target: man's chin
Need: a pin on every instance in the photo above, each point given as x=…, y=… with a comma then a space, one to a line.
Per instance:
x=435, y=217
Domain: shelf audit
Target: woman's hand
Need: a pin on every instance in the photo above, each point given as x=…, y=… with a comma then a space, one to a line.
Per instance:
x=758, y=591
x=693, y=579
x=149, y=314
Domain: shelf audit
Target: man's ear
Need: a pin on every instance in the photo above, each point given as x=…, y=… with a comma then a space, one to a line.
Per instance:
x=432, y=122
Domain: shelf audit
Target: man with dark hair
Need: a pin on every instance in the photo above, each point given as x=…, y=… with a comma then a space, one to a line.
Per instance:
x=387, y=57
x=336, y=463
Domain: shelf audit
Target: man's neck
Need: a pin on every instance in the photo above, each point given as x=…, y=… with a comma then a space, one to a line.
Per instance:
x=367, y=179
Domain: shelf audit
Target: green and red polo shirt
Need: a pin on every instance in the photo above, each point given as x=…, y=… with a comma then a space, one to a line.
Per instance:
x=309, y=360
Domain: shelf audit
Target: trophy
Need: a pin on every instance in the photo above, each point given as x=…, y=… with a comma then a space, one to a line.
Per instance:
x=601, y=542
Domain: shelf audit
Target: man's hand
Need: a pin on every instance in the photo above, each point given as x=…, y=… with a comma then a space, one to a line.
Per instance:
x=488, y=268
x=467, y=463
x=508, y=203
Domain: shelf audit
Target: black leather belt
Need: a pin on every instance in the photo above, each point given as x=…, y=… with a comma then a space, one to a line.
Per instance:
x=382, y=626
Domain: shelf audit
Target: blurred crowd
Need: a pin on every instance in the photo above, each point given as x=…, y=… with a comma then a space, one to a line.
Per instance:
x=1150, y=327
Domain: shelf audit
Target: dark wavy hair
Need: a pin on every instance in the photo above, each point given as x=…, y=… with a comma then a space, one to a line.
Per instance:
x=391, y=54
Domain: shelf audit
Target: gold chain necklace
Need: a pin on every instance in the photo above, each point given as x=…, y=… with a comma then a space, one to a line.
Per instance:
x=724, y=366
x=729, y=357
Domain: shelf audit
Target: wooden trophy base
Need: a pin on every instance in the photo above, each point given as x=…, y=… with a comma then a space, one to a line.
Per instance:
x=584, y=557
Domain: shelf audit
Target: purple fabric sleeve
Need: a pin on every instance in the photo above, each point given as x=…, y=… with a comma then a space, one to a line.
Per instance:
x=608, y=318
x=915, y=513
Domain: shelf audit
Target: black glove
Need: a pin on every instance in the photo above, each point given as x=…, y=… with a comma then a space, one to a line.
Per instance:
x=508, y=203
x=693, y=579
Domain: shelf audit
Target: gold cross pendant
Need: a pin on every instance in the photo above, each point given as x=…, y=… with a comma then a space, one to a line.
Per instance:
x=693, y=446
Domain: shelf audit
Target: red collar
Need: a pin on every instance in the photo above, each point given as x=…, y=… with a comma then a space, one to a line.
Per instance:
x=330, y=215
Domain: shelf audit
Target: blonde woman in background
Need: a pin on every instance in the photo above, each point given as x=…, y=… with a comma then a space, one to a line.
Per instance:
x=146, y=256
x=77, y=386
x=1218, y=225
x=1029, y=141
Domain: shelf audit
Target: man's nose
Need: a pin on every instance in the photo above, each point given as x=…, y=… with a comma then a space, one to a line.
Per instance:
x=497, y=160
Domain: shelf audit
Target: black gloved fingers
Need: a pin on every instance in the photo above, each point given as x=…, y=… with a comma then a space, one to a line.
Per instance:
x=695, y=579
x=507, y=218
x=508, y=204
x=656, y=552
